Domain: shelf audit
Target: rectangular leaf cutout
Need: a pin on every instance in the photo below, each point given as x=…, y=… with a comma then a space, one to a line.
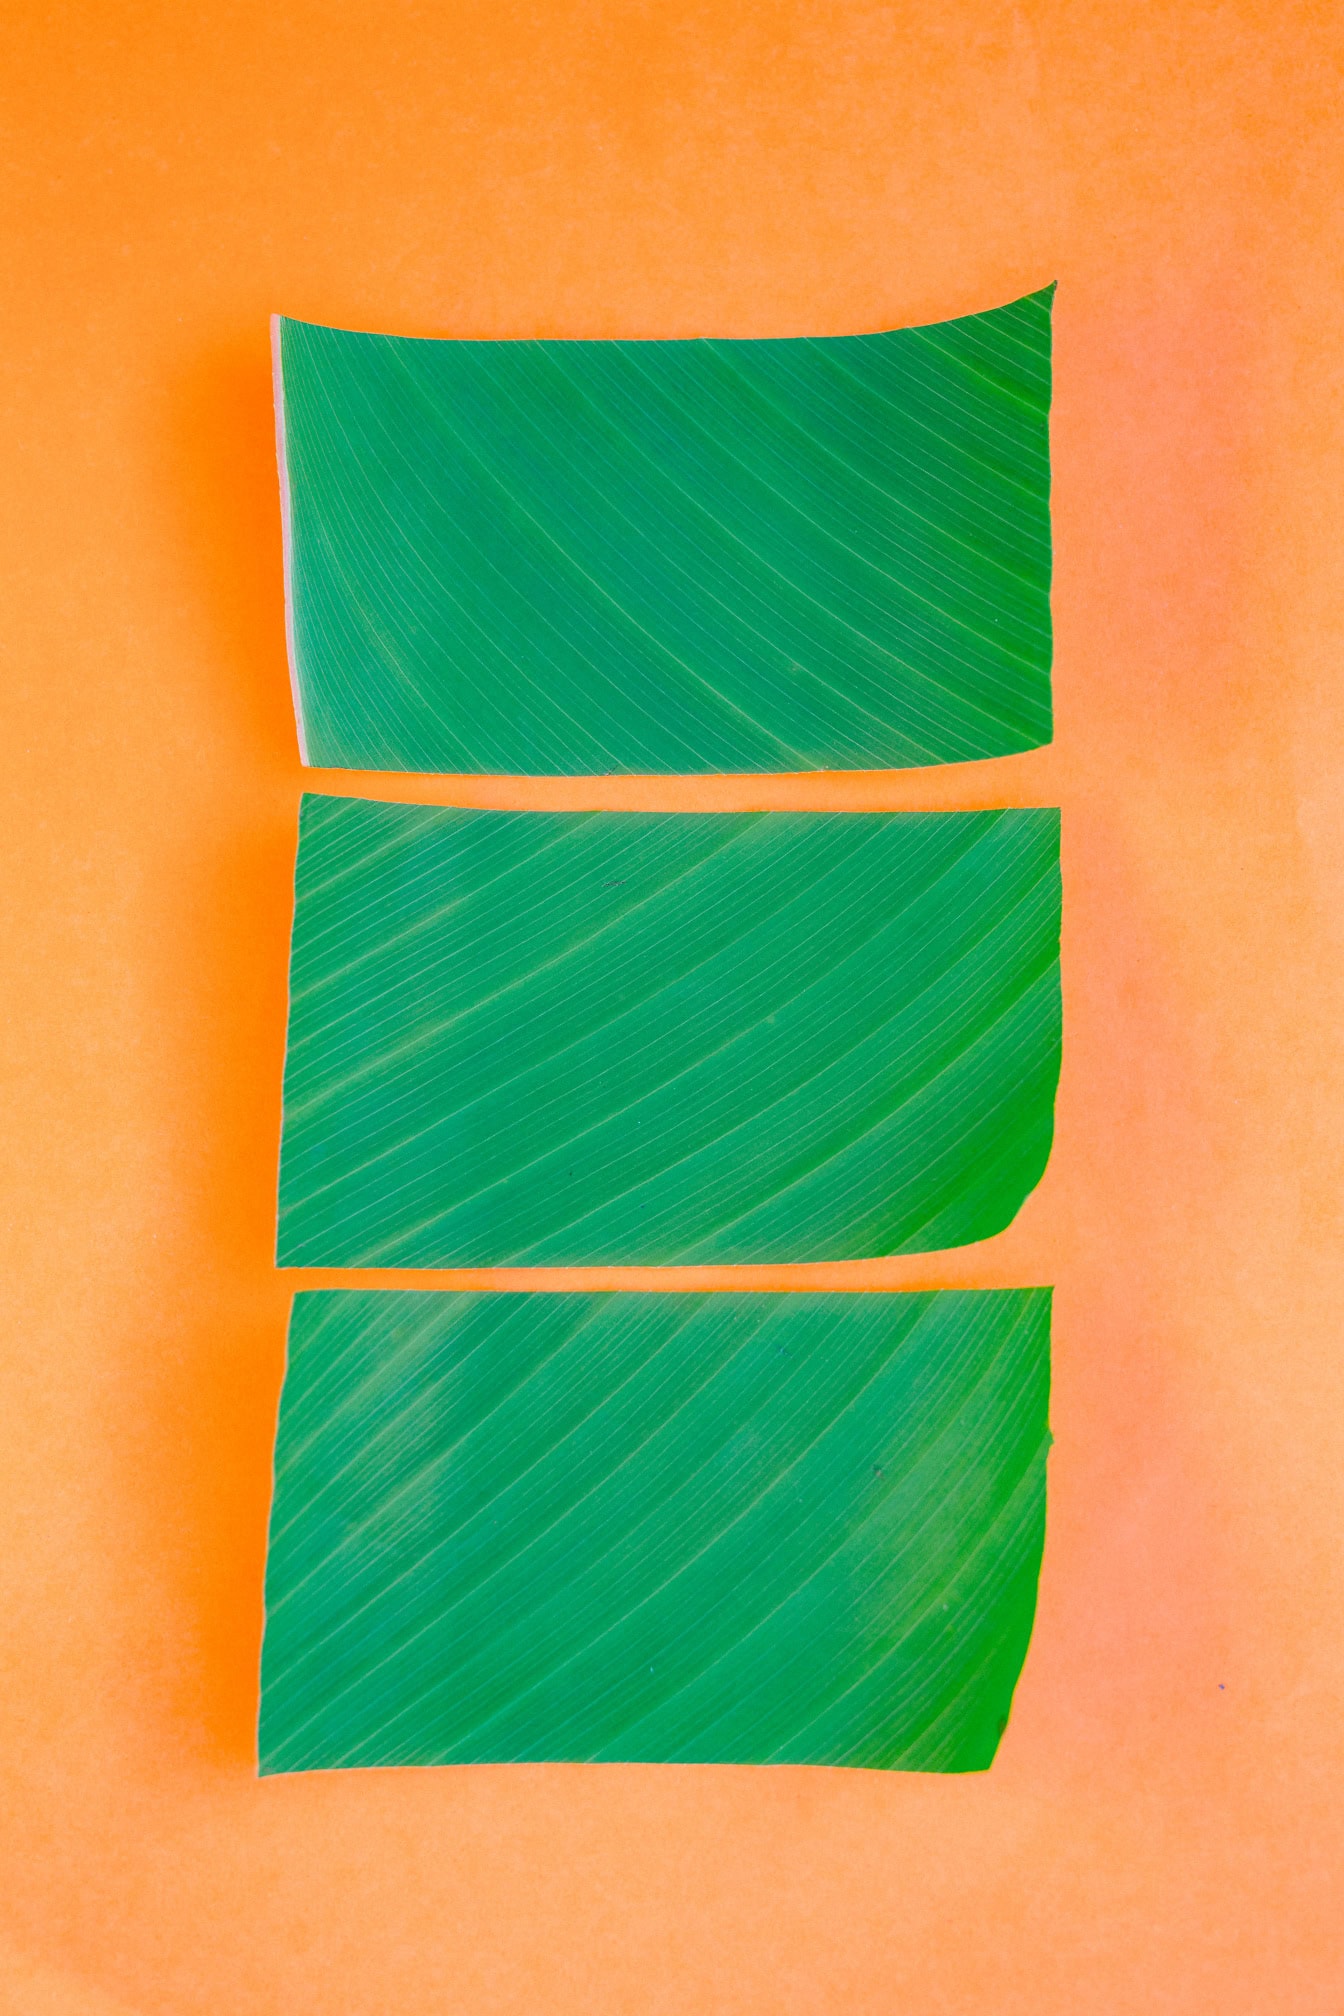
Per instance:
x=568, y=1038
x=713, y=1528
x=789, y=554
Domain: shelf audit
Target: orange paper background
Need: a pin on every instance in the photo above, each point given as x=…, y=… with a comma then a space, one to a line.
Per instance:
x=1162, y=1830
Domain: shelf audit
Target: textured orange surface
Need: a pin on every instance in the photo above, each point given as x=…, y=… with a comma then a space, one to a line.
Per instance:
x=1162, y=1831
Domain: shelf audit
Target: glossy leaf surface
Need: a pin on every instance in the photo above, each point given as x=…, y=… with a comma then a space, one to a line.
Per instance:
x=789, y=554
x=559, y=1038
x=718, y=1528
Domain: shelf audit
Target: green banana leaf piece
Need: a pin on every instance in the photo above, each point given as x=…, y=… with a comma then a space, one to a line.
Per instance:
x=793, y=554
x=560, y=1038
x=792, y=1529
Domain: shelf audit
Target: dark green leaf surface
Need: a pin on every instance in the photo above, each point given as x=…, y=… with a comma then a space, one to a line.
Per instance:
x=793, y=554
x=756, y=1529
x=559, y=1038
